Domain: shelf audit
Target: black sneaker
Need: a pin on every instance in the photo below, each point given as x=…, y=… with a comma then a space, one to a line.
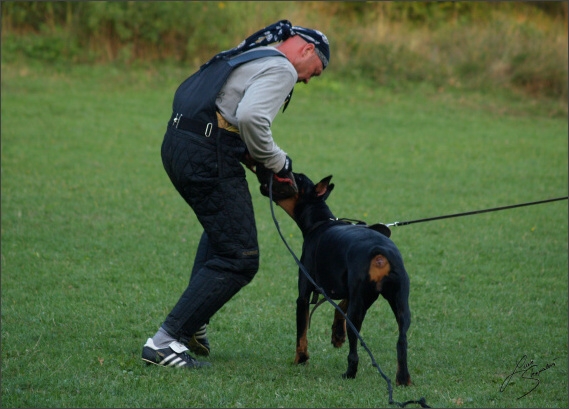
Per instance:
x=173, y=355
x=199, y=344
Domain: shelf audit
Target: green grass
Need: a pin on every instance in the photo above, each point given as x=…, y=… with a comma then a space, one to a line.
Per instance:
x=97, y=246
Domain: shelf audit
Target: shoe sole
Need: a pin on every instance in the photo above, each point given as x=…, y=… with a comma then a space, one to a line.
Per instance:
x=202, y=365
x=152, y=361
x=197, y=348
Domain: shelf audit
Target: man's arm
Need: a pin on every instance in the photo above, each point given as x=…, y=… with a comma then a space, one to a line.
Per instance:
x=256, y=112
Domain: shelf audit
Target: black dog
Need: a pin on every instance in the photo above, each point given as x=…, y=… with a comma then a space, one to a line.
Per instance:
x=350, y=262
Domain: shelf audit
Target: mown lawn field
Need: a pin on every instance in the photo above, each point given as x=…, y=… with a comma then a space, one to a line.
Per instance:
x=97, y=247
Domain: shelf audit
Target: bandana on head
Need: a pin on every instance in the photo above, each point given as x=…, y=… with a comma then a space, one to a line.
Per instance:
x=280, y=31
x=276, y=32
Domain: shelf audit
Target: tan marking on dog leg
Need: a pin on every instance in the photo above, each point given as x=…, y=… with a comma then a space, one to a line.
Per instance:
x=339, y=325
x=302, y=347
x=378, y=268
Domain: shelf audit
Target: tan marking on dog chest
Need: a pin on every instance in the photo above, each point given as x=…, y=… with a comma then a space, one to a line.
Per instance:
x=378, y=268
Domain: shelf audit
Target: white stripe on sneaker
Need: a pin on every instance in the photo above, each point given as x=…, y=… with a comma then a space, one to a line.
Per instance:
x=176, y=361
x=172, y=360
x=202, y=332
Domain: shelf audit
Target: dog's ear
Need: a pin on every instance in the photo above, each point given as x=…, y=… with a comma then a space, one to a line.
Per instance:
x=324, y=187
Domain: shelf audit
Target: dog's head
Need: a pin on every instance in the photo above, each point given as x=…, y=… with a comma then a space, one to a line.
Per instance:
x=308, y=194
x=308, y=191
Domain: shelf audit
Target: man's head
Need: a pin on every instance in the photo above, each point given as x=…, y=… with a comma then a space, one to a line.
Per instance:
x=320, y=41
x=308, y=51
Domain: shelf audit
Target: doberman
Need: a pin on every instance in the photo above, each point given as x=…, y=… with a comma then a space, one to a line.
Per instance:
x=350, y=262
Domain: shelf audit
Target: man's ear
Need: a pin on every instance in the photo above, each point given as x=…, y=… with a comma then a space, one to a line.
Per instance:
x=308, y=48
x=324, y=186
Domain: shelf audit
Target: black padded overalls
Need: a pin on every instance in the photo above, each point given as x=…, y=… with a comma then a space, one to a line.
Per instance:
x=203, y=163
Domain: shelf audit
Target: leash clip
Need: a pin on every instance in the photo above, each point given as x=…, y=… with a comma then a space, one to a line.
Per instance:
x=176, y=120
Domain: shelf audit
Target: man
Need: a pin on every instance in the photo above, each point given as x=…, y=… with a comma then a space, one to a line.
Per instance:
x=221, y=119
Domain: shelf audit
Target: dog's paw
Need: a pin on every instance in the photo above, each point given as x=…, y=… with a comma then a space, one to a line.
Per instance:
x=338, y=333
x=348, y=375
x=403, y=381
x=338, y=340
x=301, y=358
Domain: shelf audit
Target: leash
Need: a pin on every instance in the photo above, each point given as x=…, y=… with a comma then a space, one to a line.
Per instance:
x=494, y=209
x=422, y=400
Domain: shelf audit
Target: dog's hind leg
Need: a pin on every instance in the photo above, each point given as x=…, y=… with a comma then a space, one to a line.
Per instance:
x=339, y=325
x=400, y=305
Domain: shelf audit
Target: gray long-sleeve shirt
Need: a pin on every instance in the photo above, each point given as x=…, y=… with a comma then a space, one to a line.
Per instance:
x=251, y=99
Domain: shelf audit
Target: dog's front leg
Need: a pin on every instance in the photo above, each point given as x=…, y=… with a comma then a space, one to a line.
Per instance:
x=339, y=325
x=302, y=316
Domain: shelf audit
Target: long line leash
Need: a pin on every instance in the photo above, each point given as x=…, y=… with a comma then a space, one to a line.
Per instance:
x=493, y=209
x=422, y=400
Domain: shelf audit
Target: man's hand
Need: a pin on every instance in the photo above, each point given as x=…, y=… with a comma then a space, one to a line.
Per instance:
x=284, y=185
x=285, y=174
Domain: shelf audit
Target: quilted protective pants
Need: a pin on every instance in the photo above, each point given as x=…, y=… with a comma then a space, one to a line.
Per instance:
x=209, y=176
